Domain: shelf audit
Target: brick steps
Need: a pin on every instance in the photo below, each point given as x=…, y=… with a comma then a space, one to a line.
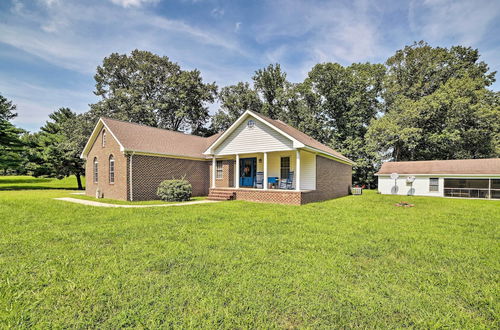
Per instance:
x=220, y=195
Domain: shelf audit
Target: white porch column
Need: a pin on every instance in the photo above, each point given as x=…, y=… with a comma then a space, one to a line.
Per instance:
x=265, y=171
x=297, y=170
x=214, y=170
x=237, y=172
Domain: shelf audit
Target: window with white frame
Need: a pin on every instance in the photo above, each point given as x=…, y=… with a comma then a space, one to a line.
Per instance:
x=111, y=169
x=96, y=170
x=433, y=184
x=218, y=167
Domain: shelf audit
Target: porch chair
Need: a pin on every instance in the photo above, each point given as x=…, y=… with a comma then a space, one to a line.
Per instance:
x=288, y=182
x=259, y=180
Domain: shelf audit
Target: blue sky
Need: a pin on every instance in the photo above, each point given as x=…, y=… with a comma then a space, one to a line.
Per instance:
x=49, y=49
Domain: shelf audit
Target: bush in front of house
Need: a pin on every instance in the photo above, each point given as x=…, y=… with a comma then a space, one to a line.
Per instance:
x=175, y=190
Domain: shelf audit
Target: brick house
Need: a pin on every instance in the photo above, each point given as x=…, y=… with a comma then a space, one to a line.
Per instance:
x=256, y=159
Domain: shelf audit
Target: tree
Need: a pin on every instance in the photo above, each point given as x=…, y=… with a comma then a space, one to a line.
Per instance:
x=7, y=109
x=10, y=137
x=460, y=120
x=437, y=106
x=271, y=84
x=55, y=150
x=148, y=89
x=342, y=102
x=235, y=100
x=419, y=70
x=11, y=146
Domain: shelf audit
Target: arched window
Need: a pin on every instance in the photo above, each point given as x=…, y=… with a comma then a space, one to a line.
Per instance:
x=111, y=169
x=96, y=170
x=103, y=137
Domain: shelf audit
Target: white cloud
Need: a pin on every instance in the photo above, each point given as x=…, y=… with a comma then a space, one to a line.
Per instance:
x=133, y=3
x=462, y=21
x=237, y=26
x=35, y=102
x=68, y=35
x=217, y=12
x=324, y=32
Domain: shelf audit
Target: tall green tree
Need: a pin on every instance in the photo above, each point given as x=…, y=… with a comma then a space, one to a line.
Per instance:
x=271, y=84
x=437, y=106
x=11, y=145
x=55, y=150
x=419, y=70
x=149, y=89
x=7, y=109
x=234, y=101
x=343, y=101
x=460, y=120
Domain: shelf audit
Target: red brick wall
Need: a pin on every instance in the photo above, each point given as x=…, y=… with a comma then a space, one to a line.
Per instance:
x=118, y=190
x=227, y=174
x=267, y=196
x=333, y=179
x=149, y=171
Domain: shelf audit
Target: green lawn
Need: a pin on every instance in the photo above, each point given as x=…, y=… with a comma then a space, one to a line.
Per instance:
x=357, y=261
x=28, y=182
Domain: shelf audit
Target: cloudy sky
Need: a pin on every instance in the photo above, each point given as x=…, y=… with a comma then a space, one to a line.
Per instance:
x=49, y=49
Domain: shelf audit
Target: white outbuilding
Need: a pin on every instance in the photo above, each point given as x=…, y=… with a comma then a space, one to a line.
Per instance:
x=465, y=178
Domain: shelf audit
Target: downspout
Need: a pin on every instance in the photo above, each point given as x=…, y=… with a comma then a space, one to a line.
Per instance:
x=130, y=177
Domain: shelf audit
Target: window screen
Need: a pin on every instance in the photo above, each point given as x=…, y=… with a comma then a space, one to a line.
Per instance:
x=219, y=169
x=285, y=167
x=433, y=184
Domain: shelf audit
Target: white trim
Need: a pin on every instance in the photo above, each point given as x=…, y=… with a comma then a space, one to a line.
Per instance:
x=210, y=149
x=297, y=170
x=146, y=153
x=265, y=185
x=214, y=173
x=329, y=155
x=94, y=135
x=237, y=172
x=462, y=176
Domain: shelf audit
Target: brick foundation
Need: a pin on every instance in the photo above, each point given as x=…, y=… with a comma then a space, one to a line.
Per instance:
x=333, y=180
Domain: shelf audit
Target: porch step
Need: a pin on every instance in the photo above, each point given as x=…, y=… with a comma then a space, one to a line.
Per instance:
x=221, y=195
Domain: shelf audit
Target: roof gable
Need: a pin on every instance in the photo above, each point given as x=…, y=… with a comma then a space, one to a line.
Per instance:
x=252, y=136
x=299, y=139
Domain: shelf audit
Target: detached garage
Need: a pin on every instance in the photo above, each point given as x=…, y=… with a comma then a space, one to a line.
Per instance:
x=465, y=178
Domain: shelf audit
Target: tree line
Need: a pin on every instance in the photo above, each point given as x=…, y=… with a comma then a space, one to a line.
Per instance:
x=423, y=103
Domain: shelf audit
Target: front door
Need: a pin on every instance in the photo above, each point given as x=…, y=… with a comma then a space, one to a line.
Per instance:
x=248, y=167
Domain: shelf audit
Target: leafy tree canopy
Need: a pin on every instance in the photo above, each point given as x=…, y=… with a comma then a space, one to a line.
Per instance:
x=437, y=106
x=149, y=89
x=235, y=100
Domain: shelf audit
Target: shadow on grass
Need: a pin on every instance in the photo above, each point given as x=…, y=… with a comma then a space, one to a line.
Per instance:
x=22, y=180
x=11, y=188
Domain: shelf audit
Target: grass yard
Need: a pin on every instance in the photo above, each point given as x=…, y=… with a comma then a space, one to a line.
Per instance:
x=357, y=261
x=29, y=182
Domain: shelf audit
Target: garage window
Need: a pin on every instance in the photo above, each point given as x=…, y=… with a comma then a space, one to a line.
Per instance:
x=433, y=184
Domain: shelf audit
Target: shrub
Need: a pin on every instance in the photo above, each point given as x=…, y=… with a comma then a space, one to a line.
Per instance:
x=175, y=190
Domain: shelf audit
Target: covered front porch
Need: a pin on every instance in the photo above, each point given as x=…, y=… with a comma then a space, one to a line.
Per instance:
x=293, y=170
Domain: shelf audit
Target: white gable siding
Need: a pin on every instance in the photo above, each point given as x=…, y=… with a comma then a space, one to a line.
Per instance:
x=307, y=171
x=260, y=138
